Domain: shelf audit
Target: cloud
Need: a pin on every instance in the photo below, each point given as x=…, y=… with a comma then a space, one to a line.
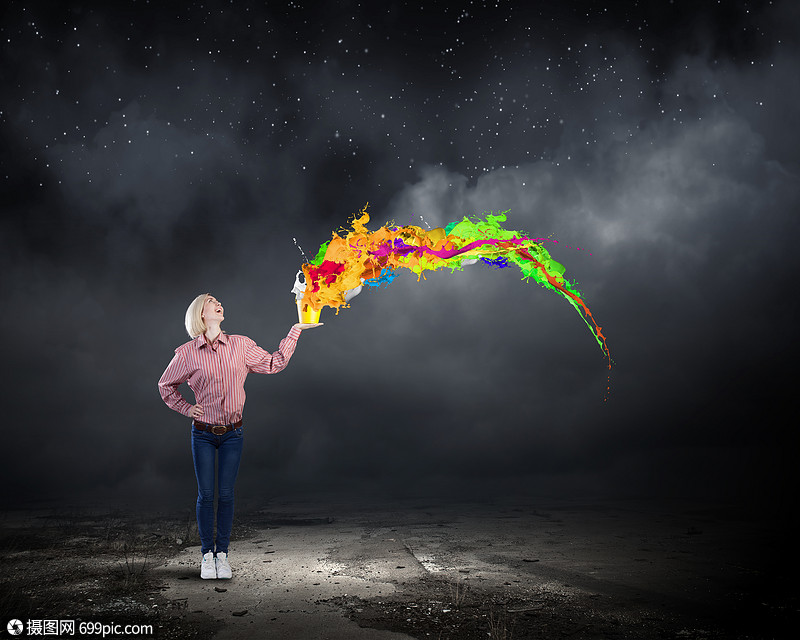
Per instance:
x=685, y=198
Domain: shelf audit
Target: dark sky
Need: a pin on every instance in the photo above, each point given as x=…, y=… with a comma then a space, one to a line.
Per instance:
x=153, y=151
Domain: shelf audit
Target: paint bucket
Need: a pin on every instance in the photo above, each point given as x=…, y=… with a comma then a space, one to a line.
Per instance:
x=306, y=315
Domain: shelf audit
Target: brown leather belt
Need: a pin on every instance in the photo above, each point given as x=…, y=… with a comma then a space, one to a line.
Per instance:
x=216, y=429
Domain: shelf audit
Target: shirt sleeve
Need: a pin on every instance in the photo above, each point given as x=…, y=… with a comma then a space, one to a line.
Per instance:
x=175, y=374
x=260, y=361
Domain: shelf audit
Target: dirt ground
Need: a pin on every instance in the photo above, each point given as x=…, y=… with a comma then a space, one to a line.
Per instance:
x=339, y=569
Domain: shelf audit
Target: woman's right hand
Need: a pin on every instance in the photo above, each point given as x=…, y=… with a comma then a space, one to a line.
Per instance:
x=196, y=411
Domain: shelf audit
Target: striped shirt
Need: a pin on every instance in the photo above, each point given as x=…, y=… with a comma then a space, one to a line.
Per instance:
x=216, y=373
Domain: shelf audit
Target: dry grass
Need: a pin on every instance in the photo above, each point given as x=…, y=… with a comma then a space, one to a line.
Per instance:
x=133, y=563
x=499, y=628
x=458, y=593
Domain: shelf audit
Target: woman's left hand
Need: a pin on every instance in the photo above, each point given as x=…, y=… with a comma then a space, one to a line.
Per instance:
x=307, y=325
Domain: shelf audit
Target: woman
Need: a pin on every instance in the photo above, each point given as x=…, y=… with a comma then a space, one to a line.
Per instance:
x=215, y=365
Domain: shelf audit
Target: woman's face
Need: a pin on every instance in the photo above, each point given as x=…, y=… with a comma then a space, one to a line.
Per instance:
x=212, y=310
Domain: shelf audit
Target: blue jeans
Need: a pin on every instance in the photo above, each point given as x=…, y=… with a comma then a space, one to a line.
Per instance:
x=205, y=447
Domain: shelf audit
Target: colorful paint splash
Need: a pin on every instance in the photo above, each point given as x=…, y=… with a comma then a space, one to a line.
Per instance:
x=362, y=258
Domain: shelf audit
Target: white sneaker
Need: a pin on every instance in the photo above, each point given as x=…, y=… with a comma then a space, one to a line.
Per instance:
x=223, y=566
x=208, y=569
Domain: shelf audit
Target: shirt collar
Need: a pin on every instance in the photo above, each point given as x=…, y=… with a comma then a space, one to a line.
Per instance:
x=200, y=341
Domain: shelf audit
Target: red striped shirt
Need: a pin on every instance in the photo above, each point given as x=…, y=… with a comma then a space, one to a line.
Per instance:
x=216, y=373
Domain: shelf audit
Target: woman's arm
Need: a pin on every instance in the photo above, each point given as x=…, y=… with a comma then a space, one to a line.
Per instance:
x=260, y=361
x=176, y=374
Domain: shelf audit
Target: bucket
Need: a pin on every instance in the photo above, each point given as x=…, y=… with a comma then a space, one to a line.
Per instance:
x=307, y=315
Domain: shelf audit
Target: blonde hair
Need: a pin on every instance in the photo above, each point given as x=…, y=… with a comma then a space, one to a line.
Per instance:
x=195, y=325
